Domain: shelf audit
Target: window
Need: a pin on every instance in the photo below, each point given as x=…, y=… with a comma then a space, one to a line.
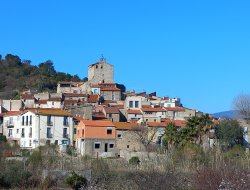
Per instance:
x=30, y=143
x=109, y=130
x=110, y=115
x=169, y=105
x=82, y=132
x=56, y=142
x=49, y=135
x=22, y=135
x=64, y=141
x=30, y=133
x=49, y=121
x=17, y=131
x=119, y=135
x=23, y=120
x=27, y=120
x=97, y=145
x=52, y=103
x=111, y=145
x=75, y=131
x=113, y=97
x=30, y=119
x=127, y=146
x=136, y=104
x=11, y=121
x=130, y=104
x=65, y=121
x=10, y=133
x=65, y=135
x=96, y=66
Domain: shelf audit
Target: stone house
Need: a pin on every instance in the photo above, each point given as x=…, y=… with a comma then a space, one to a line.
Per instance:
x=112, y=113
x=69, y=87
x=151, y=114
x=96, y=138
x=126, y=138
x=133, y=115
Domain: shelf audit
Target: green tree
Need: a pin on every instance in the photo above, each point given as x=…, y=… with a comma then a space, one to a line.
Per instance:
x=75, y=181
x=229, y=133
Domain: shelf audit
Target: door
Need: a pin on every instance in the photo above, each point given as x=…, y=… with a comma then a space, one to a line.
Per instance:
x=106, y=147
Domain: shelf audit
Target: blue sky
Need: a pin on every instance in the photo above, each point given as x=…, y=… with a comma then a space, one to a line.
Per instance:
x=197, y=50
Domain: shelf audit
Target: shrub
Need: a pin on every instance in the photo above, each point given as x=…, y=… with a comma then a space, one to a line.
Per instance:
x=75, y=181
x=134, y=160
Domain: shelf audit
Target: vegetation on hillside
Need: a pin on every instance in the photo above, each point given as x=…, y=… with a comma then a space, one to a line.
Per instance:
x=17, y=75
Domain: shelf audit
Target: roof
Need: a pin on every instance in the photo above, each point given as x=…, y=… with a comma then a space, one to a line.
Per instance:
x=98, y=115
x=110, y=89
x=41, y=102
x=134, y=112
x=125, y=125
x=55, y=99
x=27, y=96
x=112, y=110
x=152, y=109
x=175, y=109
x=49, y=111
x=70, y=101
x=178, y=123
x=74, y=95
x=98, y=123
x=13, y=113
x=93, y=98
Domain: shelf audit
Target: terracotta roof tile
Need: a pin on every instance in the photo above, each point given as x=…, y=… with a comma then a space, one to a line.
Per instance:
x=153, y=110
x=175, y=109
x=41, y=102
x=13, y=113
x=49, y=111
x=130, y=111
x=125, y=125
x=96, y=123
x=93, y=98
x=27, y=96
x=112, y=110
x=178, y=123
x=110, y=89
x=74, y=95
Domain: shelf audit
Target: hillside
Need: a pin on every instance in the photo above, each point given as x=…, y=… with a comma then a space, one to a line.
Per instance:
x=232, y=114
x=17, y=75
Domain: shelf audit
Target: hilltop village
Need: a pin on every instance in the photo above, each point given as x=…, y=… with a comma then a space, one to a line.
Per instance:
x=95, y=117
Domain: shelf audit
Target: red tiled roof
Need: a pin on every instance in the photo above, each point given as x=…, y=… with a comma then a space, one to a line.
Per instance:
x=134, y=112
x=74, y=95
x=49, y=111
x=41, y=102
x=12, y=113
x=98, y=115
x=153, y=110
x=112, y=110
x=175, y=109
x=93, y=98
x=27, y=96
x=98, y=123
x=70, y=101
x=110, y=89
x=125, y=125
x=55, y=99
x=178, y=123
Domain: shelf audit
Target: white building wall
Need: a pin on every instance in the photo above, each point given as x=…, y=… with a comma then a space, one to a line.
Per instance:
x=12, y=121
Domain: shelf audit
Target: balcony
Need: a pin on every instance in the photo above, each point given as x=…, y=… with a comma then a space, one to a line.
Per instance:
x=66, y=123
x=66, y=136
x=9, y=124
x=49, y=136
x=50, y=123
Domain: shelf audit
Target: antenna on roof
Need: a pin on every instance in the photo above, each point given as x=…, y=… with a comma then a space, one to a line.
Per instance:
x=102, y=58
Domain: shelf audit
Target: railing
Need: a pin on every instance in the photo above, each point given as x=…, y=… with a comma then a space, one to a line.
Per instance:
x=49, y=136
x=50, y=123
x=9, y=124
x=66, y=136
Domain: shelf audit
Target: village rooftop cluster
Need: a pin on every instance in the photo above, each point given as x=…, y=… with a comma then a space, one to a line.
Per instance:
x=97, y=117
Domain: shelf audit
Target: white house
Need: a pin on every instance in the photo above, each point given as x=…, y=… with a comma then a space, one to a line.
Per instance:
x=11, y=126
x=45, y=126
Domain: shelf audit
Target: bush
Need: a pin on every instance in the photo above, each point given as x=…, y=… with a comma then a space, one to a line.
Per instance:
x=75, y=181
x=134, y=160
x=13, y=175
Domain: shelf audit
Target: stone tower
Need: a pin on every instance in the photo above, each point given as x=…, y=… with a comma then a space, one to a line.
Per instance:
x=101, y=72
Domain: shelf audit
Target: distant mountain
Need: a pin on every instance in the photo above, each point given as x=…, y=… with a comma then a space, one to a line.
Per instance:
x=232, y=114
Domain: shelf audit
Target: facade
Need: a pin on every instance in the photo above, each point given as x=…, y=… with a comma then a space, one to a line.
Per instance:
x=136, y=102
x=126, y=138
x=11, y=126
x=37, y=127
x=153, y=114
x=112, y=113
x=133, y=115
x=69, y=87
x=96, y=138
